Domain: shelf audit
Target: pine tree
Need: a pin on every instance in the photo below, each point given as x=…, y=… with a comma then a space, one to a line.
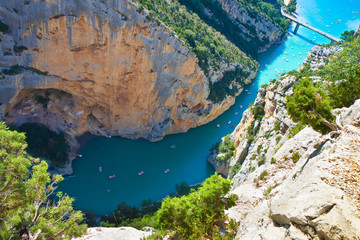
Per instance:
x=311, y=106
x=343, y=74
x=201, y=213
x=26, y=211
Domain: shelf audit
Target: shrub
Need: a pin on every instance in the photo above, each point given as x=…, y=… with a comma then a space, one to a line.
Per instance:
x=234, y=170
x=295, y=157
x=4, y=28
x=277, y=125
x=277, y=139
x=42, y=142
x=261, y=160
x=263, y=174
x=272, y=161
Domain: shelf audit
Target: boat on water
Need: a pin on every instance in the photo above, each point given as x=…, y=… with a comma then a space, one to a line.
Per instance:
x=173, y=146
x=167, y=170
x=229, y=122
x=141, y=173
x=218, y=125
x=112, y=176
x=100, y=169
x=78, y=155
x=236, y=113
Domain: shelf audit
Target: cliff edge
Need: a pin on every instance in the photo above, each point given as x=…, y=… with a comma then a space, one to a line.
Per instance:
x=293, y=182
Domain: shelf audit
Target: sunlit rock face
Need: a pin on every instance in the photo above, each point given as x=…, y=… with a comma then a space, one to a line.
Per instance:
x=102, y=67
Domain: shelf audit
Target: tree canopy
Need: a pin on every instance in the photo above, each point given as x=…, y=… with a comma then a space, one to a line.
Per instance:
x=201, y=213
x=311, y=106
x=28, y=209
x=343, y=74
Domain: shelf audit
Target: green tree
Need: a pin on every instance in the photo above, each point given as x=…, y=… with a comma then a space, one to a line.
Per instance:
x=343, y=75
x=347, y=35
x=25, y=188
x=201, y=213
x=311, y=106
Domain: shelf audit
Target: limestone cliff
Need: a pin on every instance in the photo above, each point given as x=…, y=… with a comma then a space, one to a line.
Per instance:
x=101, y=66
x=295, y=183
x=256, y=30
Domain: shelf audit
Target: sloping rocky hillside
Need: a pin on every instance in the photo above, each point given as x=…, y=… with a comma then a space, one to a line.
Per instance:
x=295, y=183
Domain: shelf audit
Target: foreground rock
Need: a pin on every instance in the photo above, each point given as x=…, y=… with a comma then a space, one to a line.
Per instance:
x=122, y=233
x=295, y=183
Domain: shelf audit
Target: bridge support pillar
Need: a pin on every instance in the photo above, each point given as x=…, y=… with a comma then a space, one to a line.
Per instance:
x=296, y=28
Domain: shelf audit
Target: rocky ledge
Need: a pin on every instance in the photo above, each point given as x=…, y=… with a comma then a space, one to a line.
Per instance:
x=292, y=182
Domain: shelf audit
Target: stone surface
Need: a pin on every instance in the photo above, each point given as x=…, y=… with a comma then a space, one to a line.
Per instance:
x=315, y=195
x=119, y=73
x=257, y=30
x=121, y=233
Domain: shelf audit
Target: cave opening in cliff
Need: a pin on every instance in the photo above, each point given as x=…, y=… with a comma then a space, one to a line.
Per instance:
x=49, y=107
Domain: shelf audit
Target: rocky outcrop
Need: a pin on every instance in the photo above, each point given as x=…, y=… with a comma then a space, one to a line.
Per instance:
x=313, y=196
x=295, y=183
x=122, y=233
x=100, y=66
x=257, y=30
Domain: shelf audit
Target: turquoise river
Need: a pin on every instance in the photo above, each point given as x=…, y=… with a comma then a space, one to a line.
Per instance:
x=125, y=158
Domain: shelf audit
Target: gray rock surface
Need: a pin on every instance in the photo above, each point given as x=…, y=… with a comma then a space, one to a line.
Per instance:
x=121, y=233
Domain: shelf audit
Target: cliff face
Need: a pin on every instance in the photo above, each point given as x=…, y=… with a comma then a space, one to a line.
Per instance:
x=257, y=30
x=99, y=66
x=293, y=183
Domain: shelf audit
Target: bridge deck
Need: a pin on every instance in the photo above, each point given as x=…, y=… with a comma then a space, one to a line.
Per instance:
x=294, y=19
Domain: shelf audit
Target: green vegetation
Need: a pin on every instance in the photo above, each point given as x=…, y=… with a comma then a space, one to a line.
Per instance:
x=292, y=6
x=226, y=147
x=277, y=125
x=295, y=157
x=295, y=130
x=234, y=170
x=311, y=106
x=13, y=70
x=343, y=74
x=4, y=28
x=45, y=143
x=19, y=49
x=263, y=175
x=201, y=214
x=26, y=211
x=134, y=217
x=261, y=160
x=16, y=69
x=277, y=139
x=272, y=11
x=202, y=40
x=209, y=46
x=258, y=112
x=273, y=161
x=347, y=36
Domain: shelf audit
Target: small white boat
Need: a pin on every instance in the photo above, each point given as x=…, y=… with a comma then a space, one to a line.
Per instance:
x=100, y=169
x=141, y=173
x=167, y=170
x=79, y=155
x=112, y=176
x=173, y=146
x=218, y=125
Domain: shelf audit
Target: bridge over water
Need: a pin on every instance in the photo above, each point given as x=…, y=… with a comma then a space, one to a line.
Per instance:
x=299, y=22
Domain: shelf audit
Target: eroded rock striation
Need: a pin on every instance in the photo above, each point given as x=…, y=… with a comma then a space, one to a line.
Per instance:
x=295, y=183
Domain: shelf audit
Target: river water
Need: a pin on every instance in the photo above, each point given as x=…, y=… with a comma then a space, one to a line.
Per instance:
x=185, y=154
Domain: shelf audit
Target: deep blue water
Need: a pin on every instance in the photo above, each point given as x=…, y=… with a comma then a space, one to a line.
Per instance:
x=187, y=161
